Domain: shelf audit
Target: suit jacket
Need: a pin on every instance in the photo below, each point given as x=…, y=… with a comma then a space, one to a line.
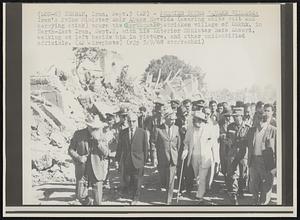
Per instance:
x=206, y=142
x=268, y=148
x=82, y=144
x=137, y=148
x=166, y=148
x=141, y=122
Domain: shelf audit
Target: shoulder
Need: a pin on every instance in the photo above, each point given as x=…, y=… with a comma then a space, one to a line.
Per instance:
x=80, y=133
x=124, y=131
x=271, y=128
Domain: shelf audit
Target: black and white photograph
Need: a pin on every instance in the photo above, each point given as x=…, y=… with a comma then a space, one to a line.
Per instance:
x=152, y=105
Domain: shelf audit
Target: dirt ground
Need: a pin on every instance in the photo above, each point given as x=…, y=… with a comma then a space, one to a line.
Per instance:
x=64, y=193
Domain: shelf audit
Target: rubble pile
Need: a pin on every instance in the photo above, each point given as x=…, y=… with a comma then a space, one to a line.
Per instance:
x=57, y=113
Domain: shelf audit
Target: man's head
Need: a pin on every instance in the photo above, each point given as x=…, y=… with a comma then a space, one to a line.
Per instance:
x=238, y=113
x=252, y=107
x=268, y=112
x=213, y=105
x=170, y=117
x=259, y=108
x=220, y=108
x=207, y=112
x=225, y=105
x=110, y=119
x=174, y=104
x=187, y=103
x=199, y=119
x=132, y=120
x=122, y=113
x=227, y=114
x=239, y=104
x=158, y=108
x=247, y=110
x=198, y=105
x=142, y=110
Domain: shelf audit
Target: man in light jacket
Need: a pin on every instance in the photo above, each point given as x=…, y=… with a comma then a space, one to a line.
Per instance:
x=198, y=148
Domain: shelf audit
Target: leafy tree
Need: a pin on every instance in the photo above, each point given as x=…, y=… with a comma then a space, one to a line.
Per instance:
x=170, y=65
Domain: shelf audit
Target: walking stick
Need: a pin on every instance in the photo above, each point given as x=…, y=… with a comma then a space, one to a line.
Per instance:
x=180, y=178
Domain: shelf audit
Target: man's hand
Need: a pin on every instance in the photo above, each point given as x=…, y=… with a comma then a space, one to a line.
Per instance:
x=274, y=172
x=184, y=154
x=82, y=159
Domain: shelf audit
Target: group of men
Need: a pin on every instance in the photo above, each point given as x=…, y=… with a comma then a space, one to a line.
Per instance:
x=190, y=144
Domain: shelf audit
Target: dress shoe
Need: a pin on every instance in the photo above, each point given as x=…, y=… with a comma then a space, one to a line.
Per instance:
x=234, y=200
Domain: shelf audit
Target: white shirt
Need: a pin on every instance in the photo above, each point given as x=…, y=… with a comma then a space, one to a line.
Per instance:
x=258, y=140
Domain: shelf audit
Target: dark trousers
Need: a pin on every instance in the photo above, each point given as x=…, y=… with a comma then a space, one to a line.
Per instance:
x=237, y=176
x=86, y=196
x=188, y=176
x=133, y=181
x=261, y=181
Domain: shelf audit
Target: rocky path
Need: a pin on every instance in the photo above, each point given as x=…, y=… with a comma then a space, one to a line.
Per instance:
x=64, y=193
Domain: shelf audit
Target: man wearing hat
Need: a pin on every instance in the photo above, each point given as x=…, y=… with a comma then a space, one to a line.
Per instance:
x=120, y=126
x=151, y=123
x=167, y=144
x=237, y=170
x=89, y=149
x=133, y=147
x=199, y=151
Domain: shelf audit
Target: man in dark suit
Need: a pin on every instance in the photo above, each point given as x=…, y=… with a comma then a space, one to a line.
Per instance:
x=89, y=150
x=133, y=146
x=166, y=155
x=262, y=158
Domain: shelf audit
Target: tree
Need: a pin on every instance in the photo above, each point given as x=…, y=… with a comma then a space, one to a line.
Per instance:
x=170, y=66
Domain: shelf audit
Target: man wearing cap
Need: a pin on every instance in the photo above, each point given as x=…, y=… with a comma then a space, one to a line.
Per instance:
x=237, y=170
x=133, y=147
x=198, y=151
x=175, y=104
x=262, y=159
x=151, y=124
x=247, y=115
x=88, y=149
x=198, y=105
x=167, y=144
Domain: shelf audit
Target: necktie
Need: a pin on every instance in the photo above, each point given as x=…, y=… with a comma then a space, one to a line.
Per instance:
x=131, y=135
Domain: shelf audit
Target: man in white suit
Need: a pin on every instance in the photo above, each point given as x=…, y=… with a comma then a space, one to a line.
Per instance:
x=198, y=148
